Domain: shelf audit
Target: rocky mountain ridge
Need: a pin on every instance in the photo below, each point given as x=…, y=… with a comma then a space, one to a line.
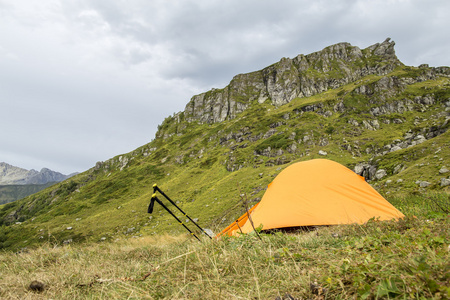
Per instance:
x=11, y=175
x=302, y=76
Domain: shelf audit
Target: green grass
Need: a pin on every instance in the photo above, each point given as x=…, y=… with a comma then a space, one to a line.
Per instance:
x=10, y=193
x=405, y=259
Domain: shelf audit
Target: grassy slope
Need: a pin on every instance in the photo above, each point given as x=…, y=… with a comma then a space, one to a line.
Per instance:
x=109, y=201
x=10, y=193
x=407, y=259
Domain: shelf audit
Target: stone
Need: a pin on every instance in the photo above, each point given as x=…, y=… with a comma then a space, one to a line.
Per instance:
x=375, y=124
x=380, y=174
x=443, y=170
x=397, y=168
x=323, y=142
x=324, y=153
x=423, y=184
x=395, y=148
x=36, y=286
x=365, y=170
x=367, y=125
x=445, y=181
x=353, y=122
x=209, y=232
x=419, y=139
x=179, y=159
x=292, y=148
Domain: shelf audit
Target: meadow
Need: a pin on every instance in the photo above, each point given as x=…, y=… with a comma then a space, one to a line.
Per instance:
x=404, y=259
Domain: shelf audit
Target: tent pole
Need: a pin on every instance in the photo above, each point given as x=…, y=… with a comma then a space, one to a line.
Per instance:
x=237, y=223
x=244, y=203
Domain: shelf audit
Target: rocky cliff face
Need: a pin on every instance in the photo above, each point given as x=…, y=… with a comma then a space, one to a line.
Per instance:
x=302, y=76
x=14, y=175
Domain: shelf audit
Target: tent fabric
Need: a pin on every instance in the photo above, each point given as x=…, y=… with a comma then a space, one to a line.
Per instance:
x=315, y=192
x=237, y=225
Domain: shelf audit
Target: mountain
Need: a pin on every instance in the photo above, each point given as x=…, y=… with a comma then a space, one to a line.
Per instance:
x=14, y=175
x=303, y=76
x=17, y=183
x=360, y=107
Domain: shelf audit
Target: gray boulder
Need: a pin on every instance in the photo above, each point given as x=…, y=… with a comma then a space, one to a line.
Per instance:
x=380, y=174
x=445, y=181
x=324, y=153
x=443, y=170
x=366, y=170
x=423, y=184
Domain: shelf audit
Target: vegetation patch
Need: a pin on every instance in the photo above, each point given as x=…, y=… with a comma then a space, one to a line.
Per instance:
x=279, y=141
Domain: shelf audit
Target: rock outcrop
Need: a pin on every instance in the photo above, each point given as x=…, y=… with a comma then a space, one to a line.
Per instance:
x=302, y=76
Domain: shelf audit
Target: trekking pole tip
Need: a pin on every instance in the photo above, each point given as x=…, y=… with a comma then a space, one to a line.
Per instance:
x=154, y=195
x=154, y=185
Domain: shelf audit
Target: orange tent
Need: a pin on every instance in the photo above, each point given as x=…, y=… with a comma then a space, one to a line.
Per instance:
x=315, y=192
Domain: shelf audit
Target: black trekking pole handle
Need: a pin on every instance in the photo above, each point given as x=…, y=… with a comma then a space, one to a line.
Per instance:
x=150, y=206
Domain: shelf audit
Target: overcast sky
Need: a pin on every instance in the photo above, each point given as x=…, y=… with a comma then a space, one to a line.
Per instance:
x=82, y=81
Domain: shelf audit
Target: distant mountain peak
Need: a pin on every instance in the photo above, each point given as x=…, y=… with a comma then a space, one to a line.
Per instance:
x=10, y=174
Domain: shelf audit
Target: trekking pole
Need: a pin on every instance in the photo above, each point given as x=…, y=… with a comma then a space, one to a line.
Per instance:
x=150, y=210
x=156, y=188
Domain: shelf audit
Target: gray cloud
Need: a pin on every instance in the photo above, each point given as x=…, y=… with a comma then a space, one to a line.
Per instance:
x=82, y=81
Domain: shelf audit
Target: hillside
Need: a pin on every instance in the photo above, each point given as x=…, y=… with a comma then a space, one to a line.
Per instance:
x=10, y=193
x=360, y=107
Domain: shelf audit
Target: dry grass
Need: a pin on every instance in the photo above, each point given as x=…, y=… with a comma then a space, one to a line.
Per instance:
x=406, y=259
